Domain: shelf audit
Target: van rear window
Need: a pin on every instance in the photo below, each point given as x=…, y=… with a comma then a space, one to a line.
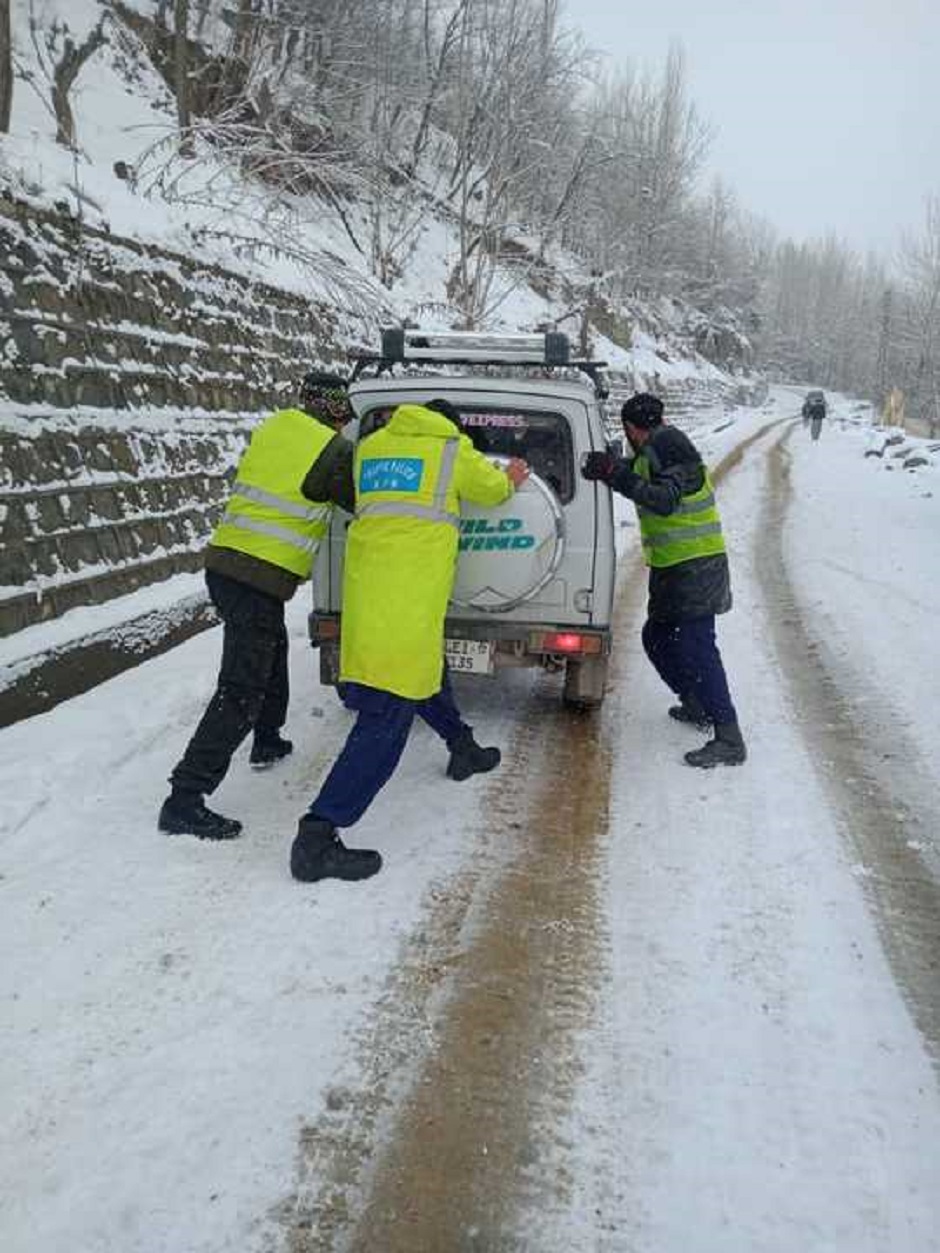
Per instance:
x=542, y=438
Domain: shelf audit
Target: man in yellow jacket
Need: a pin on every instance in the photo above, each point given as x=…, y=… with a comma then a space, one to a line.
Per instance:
x=401, y=557
x=295, y=469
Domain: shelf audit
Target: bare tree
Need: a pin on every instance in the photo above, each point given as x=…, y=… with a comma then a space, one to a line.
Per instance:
x=436, y=57
x=66, y=71
x=512, y=66
x=242, y=39
x=367, y=77
x=672, y=143
x=6, y=66
x=269, y=195
x=61, y=60
x=638, y=216
x=181, y=74
x=921, y=259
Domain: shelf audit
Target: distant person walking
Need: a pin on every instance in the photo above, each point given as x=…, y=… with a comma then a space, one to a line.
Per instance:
x=689, y=581
x=814, y=411
x=295, y=469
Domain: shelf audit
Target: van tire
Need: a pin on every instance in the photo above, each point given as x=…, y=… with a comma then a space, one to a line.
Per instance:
x=585, y=682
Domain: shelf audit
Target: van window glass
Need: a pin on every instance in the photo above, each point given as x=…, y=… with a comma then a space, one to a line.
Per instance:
x=541, y=437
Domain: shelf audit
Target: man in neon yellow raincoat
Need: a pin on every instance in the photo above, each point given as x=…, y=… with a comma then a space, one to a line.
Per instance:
x=401, y=556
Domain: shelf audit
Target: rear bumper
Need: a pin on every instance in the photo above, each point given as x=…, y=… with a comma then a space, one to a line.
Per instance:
x=516, y=643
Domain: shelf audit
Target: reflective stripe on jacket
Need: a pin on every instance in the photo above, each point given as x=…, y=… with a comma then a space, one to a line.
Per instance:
x=401, y=548
x=692, y=530
x=267, y=515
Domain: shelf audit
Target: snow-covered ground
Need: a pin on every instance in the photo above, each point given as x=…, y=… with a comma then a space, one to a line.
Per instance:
x=756, y=1074
x=863, y=549
x=769, y=1089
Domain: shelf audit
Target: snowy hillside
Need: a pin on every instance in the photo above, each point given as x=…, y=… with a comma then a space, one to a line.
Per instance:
x=155, y=305
x=124, y=115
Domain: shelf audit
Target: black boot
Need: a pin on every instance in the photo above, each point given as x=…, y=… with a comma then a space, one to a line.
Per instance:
x=319, y=853
x=726, y=749
x=183, y=813
x=268, y=748
x=690, y=710
x=468, y=758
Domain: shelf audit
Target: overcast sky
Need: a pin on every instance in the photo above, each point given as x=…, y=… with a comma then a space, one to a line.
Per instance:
x=826, y=112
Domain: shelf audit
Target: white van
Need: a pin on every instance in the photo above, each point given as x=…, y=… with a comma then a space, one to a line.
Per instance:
x=535, y=576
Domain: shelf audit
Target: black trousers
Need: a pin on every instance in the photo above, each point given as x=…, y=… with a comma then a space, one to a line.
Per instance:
x=252, y=690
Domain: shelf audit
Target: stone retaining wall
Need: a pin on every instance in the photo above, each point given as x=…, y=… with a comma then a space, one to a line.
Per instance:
x=129, y=378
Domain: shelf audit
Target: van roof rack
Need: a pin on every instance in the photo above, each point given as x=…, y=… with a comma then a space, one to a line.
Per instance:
x=413, y=346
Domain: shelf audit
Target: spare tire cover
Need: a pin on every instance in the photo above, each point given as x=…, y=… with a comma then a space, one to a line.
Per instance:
x=509, y=552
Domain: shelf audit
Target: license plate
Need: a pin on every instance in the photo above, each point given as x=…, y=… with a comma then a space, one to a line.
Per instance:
x=469, y=656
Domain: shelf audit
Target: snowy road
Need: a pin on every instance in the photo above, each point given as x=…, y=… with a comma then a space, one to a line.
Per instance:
x=596, y=1002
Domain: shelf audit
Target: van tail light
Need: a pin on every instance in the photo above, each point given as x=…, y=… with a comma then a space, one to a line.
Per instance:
x=566, y=642
x=327, y=628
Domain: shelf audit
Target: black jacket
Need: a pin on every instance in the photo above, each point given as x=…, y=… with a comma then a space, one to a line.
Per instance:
x=330, y=478
x=697, y=588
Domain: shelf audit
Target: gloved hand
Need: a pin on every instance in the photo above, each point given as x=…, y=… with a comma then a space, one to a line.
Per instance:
x=518, y=471
x=599, y=465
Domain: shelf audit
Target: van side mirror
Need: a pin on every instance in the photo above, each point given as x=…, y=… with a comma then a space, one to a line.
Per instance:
x=615, y=446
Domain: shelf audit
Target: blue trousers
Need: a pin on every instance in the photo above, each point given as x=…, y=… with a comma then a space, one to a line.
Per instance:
x=687, y=660
x=374, y=746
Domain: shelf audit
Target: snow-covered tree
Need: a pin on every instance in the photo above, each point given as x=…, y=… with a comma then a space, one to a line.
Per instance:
x=921, y=262
x=61, y=53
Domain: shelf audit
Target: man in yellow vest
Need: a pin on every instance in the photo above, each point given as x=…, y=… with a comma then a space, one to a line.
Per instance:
x=690, y=582
x=401, y=555
x=295, y=469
